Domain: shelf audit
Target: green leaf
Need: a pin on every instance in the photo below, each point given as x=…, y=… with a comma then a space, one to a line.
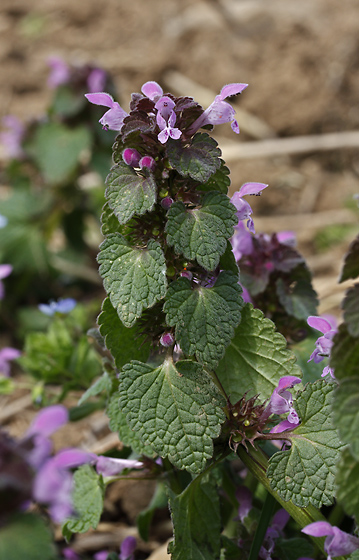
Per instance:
x=129, y=193
x=199, y=160
x=344, y=356
x=202, y=233
x=292, y=549
x=196, y=520
x=219, y=181
x=134, y=278
x=124, y=343
x=302, y=350
x=144, y=518
x=306, y=472
x=119, y=424
x=109, y=221
x=175, y=408
x=346, y=413
x=88, y=496
x=297, y=295
x=204, y=317
x=104, y=383
x=256, y=358
x=26, y=537
x=58, y=149
x=228, y=261
x=351, y=262
x=66, y=102
x=347, y=483
x=350, y=306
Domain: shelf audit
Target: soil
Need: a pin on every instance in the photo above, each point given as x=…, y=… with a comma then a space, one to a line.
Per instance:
x=300, y=59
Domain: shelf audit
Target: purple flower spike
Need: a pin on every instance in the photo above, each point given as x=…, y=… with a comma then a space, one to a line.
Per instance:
x=152, y=90
x=219, y=111
x=112, y=119
x=6, y=355
x=127, y=549
x=131, y=157
x=108, y=466
x=60, y=72
x=337, y=543
x=48, y=420
x=244, y=210
x=167, y=340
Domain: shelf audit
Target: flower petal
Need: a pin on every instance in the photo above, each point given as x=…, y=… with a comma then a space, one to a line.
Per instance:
x=100, y=98
x=232, y=89
x=319, y=323
x=72, y=457
x=318, y=529
x=152, y=90
x=48, y=420
x=251, y=188
x=108, y=466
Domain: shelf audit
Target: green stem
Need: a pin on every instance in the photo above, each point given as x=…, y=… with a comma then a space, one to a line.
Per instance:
x=257, y=463
x=264, y=520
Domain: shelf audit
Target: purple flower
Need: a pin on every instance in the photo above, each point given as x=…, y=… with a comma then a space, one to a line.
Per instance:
x=324, y=343
x=242, y=241
x=114, y=117
x=60, y=72
x=69, y=554
x=108, y=466
x=96, y=80
x=53, y=482
x=274, y=531
x=101, y=555
x=219, y=111
x=281, y=402
x=5, y=270
x=337, y=543
x=128, y=547
x=6, y=355
x=287, y=238
x=166, y=119
x=61, y=306
x=167, y=202
x=12, y=138
x=152, y=90
x=244, y=210
x=244, y=498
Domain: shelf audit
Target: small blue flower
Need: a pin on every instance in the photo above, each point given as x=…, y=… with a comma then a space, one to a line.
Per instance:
x=61, y=306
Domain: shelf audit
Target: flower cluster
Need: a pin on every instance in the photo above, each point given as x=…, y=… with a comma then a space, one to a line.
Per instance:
x=165, y=111
x=328, y=327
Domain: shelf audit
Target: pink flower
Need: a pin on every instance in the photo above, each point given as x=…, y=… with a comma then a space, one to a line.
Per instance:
x=152, y=90
x=244, y=210
x=323, y=344
x=60, y=72
x=337, y=543
x=281, y=402
x=219, y=111
x=114, y=117
x=109, y=466
x=6, y=355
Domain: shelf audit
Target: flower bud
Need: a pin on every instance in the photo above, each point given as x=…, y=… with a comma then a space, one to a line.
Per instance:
x=131, y=157
x=148, y=162
x=167, y=340
x=167, y=202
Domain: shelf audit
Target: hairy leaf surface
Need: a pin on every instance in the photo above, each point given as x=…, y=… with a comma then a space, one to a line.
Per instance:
x=199, y=160
x=174, y=408
x=306, y=472
x=202, y=234
x=129, y=193
x=256, y=358
x=346, y=413
x=347, y=483
x=134, y=278
x=88, y=498
x=204, y=317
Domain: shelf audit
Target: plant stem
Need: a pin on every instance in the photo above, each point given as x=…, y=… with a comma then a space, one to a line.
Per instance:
x=264, y=520
x=257, y=463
